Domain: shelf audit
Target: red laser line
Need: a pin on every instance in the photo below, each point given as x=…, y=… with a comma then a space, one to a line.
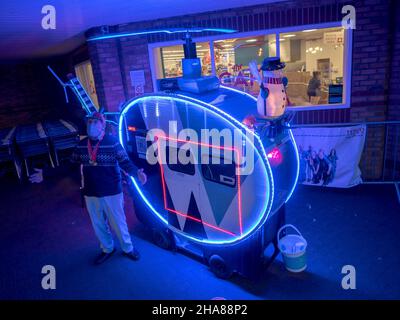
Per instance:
x=198, y=143
x=239, y=195
x=162, y=174
x=198, y=220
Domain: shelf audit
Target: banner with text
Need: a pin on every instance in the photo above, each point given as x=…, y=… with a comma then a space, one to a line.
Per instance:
x=330, y=156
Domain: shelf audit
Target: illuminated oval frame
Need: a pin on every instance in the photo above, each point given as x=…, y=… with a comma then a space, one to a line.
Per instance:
x=236, y=124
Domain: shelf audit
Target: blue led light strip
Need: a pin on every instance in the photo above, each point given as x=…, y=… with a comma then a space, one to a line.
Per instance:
x=169, y=31
x=297, y=165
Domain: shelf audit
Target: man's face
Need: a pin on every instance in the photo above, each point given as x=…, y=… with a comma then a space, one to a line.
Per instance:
x=95, y=128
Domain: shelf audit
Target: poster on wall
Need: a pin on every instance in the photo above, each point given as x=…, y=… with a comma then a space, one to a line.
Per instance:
x=138, y=81
x=330, y=156
x=336, y=37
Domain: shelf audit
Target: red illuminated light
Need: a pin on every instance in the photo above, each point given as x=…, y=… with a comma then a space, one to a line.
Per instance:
x=275, y=156
x=131, y=128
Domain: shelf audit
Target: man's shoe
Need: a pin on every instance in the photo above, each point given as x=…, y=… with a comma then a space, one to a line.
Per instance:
x=133, y=255
x=103, y=256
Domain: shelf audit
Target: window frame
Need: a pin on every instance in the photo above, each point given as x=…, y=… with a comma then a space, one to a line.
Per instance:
x=221, y=158
x=191, y=173
x=347, y=58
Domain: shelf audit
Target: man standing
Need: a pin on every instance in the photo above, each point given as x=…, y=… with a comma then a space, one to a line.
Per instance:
x=102, y=157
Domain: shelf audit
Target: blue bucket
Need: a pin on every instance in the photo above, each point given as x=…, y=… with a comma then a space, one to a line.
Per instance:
x=293, y=248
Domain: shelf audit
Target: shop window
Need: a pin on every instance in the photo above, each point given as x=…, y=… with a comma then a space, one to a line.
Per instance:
x=318, y=62
x=176, y=165
x=84, y=73
x=169, y=60
x=232, y=57
x=222, y=173
x=314, y=66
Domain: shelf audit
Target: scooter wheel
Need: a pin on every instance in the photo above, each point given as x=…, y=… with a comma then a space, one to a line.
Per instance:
x=219, y=267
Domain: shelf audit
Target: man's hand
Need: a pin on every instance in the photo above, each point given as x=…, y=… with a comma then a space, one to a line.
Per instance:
x=37, y=177
x=142, y=176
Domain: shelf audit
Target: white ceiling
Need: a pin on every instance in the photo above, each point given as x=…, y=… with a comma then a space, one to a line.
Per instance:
x=21, y=34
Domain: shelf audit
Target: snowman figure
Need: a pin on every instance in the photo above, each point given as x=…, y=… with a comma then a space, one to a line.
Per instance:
x=272, y=99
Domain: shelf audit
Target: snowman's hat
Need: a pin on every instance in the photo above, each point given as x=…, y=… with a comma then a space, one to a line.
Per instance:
x=272, y=63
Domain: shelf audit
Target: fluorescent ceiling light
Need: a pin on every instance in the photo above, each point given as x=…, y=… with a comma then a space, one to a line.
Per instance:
x=251, y=40
x=173, y=51
x=226, y=40
x=309, y=30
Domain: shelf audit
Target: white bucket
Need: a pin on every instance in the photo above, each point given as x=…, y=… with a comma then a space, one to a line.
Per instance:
x=293, y=249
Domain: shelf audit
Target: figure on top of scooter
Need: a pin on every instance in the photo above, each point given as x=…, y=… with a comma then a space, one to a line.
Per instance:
x=272, y=99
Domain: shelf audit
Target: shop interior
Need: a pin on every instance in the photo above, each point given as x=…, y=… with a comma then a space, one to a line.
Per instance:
x=306, y=53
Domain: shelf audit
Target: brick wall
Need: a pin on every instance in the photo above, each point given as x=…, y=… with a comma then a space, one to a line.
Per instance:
x=21, y=93
x=29, y=93
x=134, y=56
x=374, y=96
x=106, y=66
x=373, y=52
x=392, y=166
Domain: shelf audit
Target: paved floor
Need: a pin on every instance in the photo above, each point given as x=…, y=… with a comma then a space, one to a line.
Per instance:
x=44, y=224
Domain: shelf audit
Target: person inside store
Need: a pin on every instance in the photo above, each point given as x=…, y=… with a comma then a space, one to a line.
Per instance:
x=314, y=88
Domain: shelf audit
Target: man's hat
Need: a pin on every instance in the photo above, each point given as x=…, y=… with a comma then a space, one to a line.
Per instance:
x=98, y=116
x=272, y=63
